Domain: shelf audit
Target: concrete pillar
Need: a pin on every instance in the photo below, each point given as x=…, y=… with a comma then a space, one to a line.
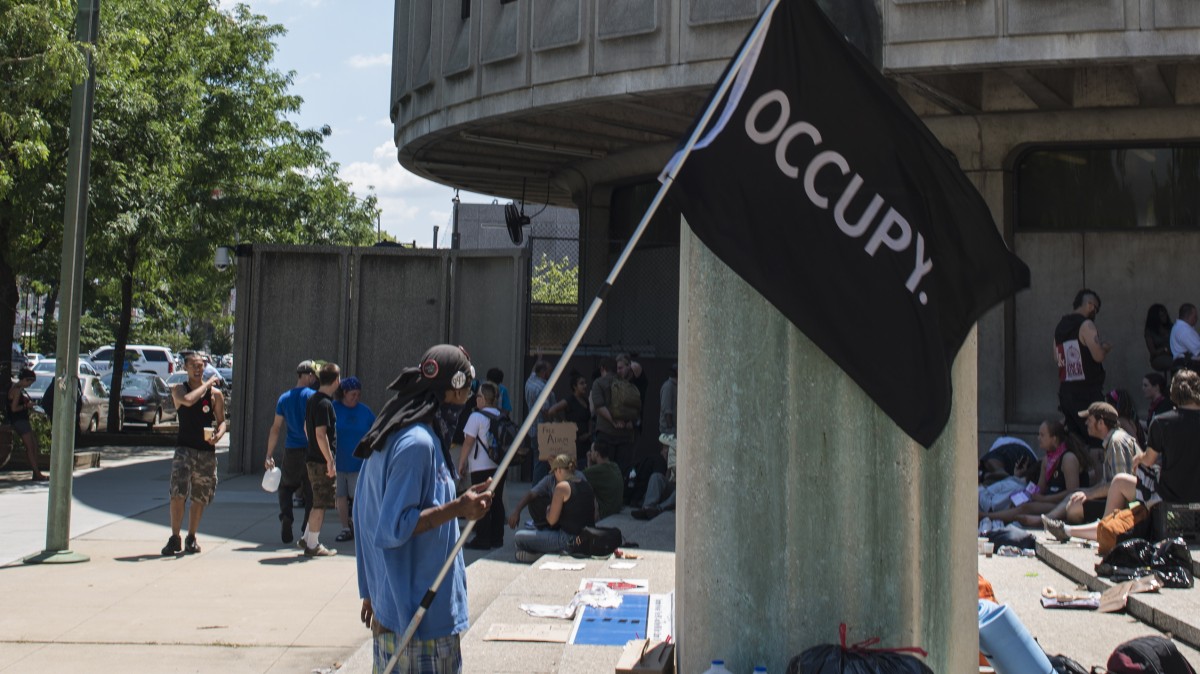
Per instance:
x=802, y=506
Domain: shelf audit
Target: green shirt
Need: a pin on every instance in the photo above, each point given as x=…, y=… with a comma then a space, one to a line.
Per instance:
x=606, y=482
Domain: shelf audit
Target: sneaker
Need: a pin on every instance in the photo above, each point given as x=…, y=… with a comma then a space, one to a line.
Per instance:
x=346, y=535
x=173, y=547
x=528, y=556
x=285, y=532
x=319, y=551
x=190, y=546
x=1056, y=528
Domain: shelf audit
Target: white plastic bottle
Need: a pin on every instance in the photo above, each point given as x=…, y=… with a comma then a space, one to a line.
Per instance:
x=718, y=667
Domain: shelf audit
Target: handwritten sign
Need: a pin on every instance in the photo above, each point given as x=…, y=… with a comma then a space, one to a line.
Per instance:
x=556, y=438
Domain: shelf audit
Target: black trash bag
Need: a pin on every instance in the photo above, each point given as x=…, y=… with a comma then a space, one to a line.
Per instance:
x=1016, y=536
x=1131, y=557
x=1064, y=665
x=1173, y=563
x=859, y=658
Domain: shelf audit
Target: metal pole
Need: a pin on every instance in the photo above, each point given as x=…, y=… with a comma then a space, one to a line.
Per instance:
x=668, y=179
x=66, y=369
x=436, y=228
x=454, y=241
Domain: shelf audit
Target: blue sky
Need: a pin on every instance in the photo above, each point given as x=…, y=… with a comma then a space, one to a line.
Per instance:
x=340, y=52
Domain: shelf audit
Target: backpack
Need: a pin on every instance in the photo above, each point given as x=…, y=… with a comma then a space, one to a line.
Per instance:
x=596, y=541
x=501, y=433
x=1148, y=655
x=626, y=401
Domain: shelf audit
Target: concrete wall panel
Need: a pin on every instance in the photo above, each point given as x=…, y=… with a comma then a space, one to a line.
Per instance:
x=938, y=21
x=1033, y=17
x=400, y=59
x=458, y=56
x=632, y=34
x=421, y=44
x=700, y=12
x=559, y=50
x=1056, y=273
x=503, y=45
x=297, y=311
x=489, y=317
x=401, y=310
x=1176, y=14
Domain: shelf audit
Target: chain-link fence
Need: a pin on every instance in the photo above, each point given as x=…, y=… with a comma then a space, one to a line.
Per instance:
x=553, y=292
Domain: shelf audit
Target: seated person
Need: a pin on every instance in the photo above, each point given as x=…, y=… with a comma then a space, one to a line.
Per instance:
x=1175, y=437
x=605, y=477
x=660, y=490
x=1119, y=449
x=572, y=507
x=1067, y=469
x=538, y=500
x=1004, y=458
x=1154, y=390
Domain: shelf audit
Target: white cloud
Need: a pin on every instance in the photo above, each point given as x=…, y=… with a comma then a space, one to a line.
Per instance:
x=312, y=77
x=369, y=61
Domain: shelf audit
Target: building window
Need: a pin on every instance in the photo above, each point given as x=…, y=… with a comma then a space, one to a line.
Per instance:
x=466, y=9
x=505, y=2
x=1074, y=188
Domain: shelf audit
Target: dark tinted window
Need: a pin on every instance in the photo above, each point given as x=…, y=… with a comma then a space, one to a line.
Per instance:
x=1108, y=188
x=156, y=356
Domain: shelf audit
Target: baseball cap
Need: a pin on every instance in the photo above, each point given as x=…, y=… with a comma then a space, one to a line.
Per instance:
x=351, y=384
x=306, y=367
x=1102, y=411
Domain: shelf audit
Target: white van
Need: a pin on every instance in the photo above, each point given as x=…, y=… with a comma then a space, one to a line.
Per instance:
x=144, y=358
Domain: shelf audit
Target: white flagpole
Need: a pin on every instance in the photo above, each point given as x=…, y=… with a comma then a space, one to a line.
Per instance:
x=679, y=159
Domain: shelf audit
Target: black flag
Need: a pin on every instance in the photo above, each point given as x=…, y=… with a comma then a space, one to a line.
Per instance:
x=821, y=188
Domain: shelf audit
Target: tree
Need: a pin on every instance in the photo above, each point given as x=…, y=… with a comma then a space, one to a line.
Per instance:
x=39, y=63
x=554, y=281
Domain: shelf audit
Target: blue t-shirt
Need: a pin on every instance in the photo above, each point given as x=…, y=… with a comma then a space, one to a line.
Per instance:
x=352, y=424
x=291, y=407
x=395, y=568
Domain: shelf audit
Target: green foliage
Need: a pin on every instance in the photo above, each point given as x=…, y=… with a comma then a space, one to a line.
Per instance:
x=555, y=281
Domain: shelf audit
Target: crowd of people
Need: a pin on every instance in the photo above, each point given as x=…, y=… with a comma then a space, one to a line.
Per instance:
x=1099, y=456
x=401, y=481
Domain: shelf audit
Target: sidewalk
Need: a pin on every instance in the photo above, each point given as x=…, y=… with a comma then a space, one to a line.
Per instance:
x=247, y=602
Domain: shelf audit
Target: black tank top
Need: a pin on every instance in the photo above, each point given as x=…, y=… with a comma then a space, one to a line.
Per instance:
x=22, y=415
x=580, y=510
x=1058, y=481
x=1076, y=367
x=192, y=421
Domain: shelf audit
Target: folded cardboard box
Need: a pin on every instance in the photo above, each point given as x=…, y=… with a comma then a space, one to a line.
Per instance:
x=647, y=656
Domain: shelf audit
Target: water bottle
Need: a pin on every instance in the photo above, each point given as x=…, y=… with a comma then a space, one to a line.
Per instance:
x=718, y=667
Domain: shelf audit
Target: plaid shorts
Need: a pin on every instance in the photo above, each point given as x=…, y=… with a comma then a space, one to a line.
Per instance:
x=436, y=656
x=323, y=486
x=194, y=473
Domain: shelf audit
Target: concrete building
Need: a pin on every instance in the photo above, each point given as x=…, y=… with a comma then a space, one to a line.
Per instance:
x=1076, y=119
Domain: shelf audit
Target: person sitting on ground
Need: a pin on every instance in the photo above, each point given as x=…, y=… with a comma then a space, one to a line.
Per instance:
x=1154, y=390
x=605, y=478
x=1066, y=471
x=1119, y=447
x=537, y=499
x=1127, y=416
x=1174, y=436
x=660, y=490
x=572, y=507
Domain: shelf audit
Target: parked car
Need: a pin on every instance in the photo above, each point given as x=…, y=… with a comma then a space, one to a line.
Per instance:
x=93, y=407
x=32, y=359
x=142, y=358
x=48, y=364
x=145, y=398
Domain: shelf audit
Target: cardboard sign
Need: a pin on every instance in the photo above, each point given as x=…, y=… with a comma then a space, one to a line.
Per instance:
x=556, y=438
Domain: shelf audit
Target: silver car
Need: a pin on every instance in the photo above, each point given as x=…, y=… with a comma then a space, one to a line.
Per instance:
x=92, y=402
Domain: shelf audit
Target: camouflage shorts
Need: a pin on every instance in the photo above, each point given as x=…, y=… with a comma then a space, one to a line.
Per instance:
x=194, y=474
x=324, y=488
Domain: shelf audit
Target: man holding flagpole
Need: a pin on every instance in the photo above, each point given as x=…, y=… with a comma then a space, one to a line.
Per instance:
x=405, y=518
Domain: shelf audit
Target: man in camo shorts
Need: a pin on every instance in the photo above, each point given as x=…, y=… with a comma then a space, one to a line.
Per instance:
x=201, y=407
